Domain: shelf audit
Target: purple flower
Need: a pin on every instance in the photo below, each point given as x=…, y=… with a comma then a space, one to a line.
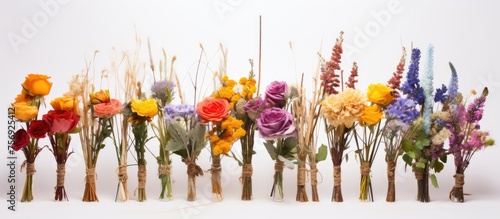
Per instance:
x=402, y=109
x=412, y=87
x=475, y=110
x=440, y=95
x=254, y=107
x=275, y=123
x=174, y=113
x=163, y=90
x=276, y=94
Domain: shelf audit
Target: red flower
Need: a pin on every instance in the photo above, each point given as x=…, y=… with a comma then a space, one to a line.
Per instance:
x=38, y=129
x=21, y=139
x=213, y=110
x=61, y=120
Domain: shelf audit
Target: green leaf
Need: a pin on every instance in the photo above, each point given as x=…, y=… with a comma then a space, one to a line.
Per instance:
x=271, y=149
x=443, y=158
x=438, y=166
x=197, y=136
x=408, y=160
x=434, y=181
x=426, y=142
x=322, y=153
x=289, y=146
x=420, y=165
x=412, y=154
x=407, y=145
x=179, y=137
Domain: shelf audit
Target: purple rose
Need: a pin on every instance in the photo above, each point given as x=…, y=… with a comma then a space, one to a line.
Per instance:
x=276, y=93
x=275, y=123
x=254, y=107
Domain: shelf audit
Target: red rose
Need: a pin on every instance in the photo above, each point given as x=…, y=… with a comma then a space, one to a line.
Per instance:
x=21, y=139
x=61, y=120
x=38, y=129
x=213, y=110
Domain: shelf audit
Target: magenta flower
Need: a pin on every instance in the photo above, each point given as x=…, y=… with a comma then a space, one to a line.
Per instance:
x=276, y=93
x=275, y=123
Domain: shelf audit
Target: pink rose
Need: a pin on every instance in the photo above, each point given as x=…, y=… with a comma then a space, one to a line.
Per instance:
x=108, y=109
x=61, y=120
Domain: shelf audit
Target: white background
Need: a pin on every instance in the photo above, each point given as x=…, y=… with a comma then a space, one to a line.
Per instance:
x=57, y=37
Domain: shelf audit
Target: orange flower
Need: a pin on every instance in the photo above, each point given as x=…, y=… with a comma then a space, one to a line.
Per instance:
x=24, y=112
x=213, y=110
x=36, y=84
x=23, y=97
x=101, y=96
x=63, y=103
x=371, y=115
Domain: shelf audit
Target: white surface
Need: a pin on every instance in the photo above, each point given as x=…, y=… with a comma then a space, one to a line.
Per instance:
x=463, y=32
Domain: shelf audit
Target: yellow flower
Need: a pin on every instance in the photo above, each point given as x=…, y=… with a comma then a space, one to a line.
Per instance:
x=380, y=94
x=63, y=103
x=36, y=84
x=24, y=112
x=145, y=108
x=343, y=108
x=371, y=115
x=239, y=133
x=101, y=96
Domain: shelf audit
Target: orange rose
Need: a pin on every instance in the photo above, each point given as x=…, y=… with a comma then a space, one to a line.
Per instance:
x=36, y=84
x=63, y=103
x=108, y=109
x=23, y=97
x=213, y=110
x=101, y=96
x=24, y=112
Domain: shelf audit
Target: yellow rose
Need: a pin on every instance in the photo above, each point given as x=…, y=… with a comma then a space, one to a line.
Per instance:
x=101, y=96
x=24, y=112
x=36, y=84
x=371, y=115
x=380, y=94
x=145, y=108
x=63, y=103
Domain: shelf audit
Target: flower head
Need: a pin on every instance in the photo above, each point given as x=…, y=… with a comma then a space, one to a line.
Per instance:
x=371, y=115
x=276, y=94
x=411, y=87
x=63, y=103
x=275, y=123
x=143, y=109
x=101, y=96
x=37, y=85
x=254, y=107
x=213, y=110
x=109, y=109
x=24, y=112
x=178, y=113
x=344, y=108
x=380, y=94
x=163, y=90
x=61, y=121
x=402, y=109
